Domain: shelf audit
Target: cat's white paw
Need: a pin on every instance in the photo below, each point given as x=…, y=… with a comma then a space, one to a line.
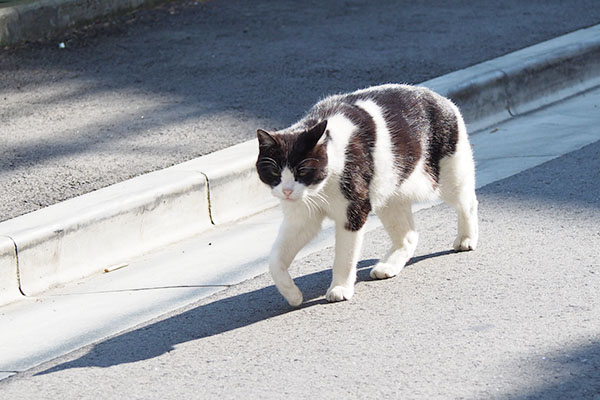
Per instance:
x=339, y=293
x=385, y=270
x=465, y=244
x=293, y=296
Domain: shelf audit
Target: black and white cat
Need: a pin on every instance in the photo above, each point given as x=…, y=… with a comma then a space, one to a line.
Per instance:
x=379, y=149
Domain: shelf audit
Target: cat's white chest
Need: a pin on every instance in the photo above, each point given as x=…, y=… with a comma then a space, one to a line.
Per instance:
x=332, y=202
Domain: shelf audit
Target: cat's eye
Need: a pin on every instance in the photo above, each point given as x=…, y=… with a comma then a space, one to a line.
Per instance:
x=275, y=174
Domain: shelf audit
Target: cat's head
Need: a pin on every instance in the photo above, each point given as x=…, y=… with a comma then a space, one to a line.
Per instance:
x=294, y=165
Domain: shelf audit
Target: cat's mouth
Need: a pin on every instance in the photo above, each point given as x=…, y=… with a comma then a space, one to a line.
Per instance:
x=285, y=197
x=289, y=195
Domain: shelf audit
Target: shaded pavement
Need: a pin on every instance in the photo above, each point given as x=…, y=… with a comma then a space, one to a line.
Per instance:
x=154, y=88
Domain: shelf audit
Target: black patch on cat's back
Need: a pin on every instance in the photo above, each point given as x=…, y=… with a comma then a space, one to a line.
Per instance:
x=421, y=124
x=401, y=113
x=443, y=132
x=359, y=167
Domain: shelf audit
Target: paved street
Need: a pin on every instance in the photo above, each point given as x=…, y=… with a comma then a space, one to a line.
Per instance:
x=156, y=88
x=519, y=318
x=516, y=319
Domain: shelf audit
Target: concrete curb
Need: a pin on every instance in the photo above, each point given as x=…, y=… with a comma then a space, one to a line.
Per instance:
x=524, y=80
x=86, y=234
x=235, y=191
x=43, y=18
x=9, y=282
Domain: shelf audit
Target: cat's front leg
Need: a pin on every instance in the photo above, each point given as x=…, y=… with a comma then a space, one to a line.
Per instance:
x=295, y=232
x=347, y=250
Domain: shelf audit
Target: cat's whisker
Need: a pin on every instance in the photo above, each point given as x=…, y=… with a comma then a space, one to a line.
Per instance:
x=317, y=206
x=306, y=203
x=311, y=201
x=309, y=159
x=268, y=160
x=321, y=197
x=309, y=205
x=322, y=200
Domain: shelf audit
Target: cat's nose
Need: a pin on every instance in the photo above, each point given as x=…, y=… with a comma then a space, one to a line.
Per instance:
x=287, y=192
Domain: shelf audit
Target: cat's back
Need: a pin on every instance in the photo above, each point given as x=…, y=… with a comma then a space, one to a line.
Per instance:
x=386, y=133
x=412, y=117
x=395, y=98
x=410, y=113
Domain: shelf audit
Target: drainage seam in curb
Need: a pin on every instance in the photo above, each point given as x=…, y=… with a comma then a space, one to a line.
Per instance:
x=505, y=81
x=208, y=199
x=18, y=272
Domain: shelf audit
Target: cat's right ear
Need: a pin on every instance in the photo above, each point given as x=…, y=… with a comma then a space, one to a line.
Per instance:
x=264, y=138
x=318, y=133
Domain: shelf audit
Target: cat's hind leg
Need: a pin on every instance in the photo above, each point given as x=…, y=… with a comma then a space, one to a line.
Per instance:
x=468, y=233
x=297, y=229
x=457, y=188
x=397, y=219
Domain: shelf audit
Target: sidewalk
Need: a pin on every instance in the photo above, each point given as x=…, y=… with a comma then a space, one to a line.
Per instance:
x=518, y=318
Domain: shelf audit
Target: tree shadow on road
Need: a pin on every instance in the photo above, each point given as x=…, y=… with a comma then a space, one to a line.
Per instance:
x=147, y=90
x=250, y=59
x=571, y=373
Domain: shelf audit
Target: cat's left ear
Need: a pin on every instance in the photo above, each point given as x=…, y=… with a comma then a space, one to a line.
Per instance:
x=317, y=133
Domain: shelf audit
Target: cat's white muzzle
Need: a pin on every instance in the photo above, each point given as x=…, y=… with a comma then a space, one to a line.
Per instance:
x=289, y=189
x=290, y=192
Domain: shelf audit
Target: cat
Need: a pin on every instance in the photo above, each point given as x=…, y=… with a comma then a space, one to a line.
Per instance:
x=377, y=149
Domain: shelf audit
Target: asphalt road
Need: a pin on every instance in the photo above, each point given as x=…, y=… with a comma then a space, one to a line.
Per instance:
x=144, y=91
x=517, y=319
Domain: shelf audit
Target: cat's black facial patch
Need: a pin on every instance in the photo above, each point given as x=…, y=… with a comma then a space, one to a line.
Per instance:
x=308, y=159
x=271, y=158
x=300, y=152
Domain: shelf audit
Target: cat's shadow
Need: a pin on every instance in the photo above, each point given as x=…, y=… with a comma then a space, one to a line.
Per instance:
x=364, y=269
x=210, y=319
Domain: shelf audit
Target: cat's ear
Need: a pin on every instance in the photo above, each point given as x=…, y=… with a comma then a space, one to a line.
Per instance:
x=317, y=133
x=265, y=139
